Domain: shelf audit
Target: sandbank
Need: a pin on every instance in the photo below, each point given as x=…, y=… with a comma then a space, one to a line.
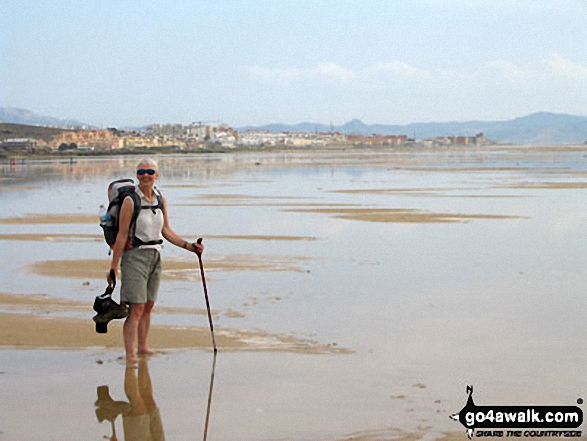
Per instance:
x=261, y=237
x=401, y=215
x=173, y=269
x=239, y=203
x=548, y=185
x=385, y=191
x=30, y=331
x=467, y=169
x=59, y=237
x=18, y=188
x=46, y=305
x=241, y=196
x=51, y=219
x=424, y=192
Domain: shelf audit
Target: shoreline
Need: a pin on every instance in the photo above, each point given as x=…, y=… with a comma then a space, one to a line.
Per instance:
x=8, y=157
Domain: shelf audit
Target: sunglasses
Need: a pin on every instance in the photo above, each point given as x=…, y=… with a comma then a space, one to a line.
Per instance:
x=142, y=171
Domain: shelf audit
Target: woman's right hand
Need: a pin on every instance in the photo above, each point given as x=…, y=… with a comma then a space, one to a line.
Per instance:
x=108, y=278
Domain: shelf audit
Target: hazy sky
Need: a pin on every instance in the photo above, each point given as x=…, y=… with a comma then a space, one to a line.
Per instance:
x=259, y=61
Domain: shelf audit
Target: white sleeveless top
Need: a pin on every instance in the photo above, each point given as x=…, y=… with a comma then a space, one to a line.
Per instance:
x=149, y=223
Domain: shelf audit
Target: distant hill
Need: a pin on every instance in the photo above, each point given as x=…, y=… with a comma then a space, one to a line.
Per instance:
x=11, y=131
x=535, y=129
x=16, y=115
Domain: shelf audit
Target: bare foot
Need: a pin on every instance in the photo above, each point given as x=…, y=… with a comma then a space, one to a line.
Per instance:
x=147, y=351
x=132, y=359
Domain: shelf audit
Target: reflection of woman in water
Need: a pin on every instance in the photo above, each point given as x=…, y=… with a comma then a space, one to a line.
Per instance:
x=143, y=421
x=140, y=418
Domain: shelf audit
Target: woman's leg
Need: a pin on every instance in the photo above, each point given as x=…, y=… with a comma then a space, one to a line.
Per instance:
x=130, y=330
x=133, y=392
x=143, y=330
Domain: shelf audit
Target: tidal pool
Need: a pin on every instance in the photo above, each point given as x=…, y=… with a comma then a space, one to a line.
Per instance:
x=397, y=278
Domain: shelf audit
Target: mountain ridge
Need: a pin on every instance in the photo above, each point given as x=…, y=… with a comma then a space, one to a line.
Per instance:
x=17, y=115
x=539, y=128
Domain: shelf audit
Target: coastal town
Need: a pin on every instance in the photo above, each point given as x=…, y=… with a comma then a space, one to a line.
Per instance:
x=197, y=137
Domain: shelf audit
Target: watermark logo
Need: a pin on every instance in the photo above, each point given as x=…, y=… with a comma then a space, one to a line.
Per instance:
x=519, y=421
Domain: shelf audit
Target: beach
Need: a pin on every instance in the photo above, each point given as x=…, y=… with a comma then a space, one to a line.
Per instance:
x=355, y=294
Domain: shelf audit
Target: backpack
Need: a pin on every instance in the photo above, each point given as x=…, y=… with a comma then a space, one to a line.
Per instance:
x=117, y=191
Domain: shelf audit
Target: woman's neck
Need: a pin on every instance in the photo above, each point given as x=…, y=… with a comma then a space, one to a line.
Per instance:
x=147, y=191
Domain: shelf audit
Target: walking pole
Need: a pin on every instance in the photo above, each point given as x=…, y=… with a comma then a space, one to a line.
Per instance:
x=199, y=241
x=209, y=398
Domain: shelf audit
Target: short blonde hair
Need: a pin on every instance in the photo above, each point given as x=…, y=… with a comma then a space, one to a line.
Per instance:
x=149, y=162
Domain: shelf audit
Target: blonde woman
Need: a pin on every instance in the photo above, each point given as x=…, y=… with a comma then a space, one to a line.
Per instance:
x=137, y=250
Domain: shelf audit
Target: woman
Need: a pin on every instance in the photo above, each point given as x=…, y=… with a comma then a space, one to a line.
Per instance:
x=137, y=250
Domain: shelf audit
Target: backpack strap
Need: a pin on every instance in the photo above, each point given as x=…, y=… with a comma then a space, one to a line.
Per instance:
x=159, y=199
x=159, y=205
x=134, y=241
x=136, y=200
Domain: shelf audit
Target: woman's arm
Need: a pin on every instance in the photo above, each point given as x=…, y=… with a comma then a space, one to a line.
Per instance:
x=174, y=238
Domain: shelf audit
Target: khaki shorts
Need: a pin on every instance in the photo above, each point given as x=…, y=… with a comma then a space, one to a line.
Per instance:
x=141, y=273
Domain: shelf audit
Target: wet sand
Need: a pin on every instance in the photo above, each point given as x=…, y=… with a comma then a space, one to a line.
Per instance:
x=362, y=214
x=29, y=321
x=229, y=196
x=61, y=237
x=56, y=237
x=32, y=219
x=262, y=238
x=425, y=192
x=173, y=269
x=31, y=331
x=386, y=191
x=486, y=169
x=239, y=203
x=253, y=396
x=401, y=215
x=398, y=434
x=42, y=304
x=548, y=185
x=18, y=188
x=33, y=322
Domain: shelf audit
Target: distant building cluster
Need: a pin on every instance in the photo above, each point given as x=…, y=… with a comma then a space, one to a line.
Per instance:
x=202, y=135
x=461, y=140
x=83, y=138
x=20, y=144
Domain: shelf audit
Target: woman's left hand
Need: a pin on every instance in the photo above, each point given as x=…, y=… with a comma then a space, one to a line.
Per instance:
x=198, y=248
x=195, y=247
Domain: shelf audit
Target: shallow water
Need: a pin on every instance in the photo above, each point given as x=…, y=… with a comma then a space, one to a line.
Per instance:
x=427, y=307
